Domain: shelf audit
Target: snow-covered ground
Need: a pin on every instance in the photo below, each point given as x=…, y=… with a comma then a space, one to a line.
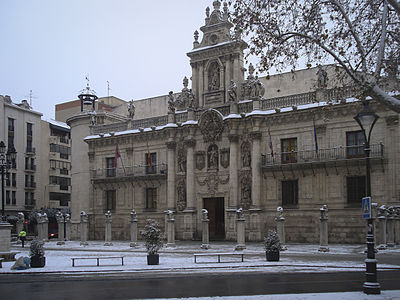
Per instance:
x=298, y=257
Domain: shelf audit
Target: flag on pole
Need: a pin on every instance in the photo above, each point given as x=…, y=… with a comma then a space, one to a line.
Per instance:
x=270, y=142
x=315, y=137
x=149, y=161
x=117, y=155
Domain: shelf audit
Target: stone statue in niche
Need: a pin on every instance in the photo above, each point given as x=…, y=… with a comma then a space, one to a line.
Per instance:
x=232, y=92
x=181, y=159
x=245, y=200
x=322, y=77
x=246, y=154
x=213, y=77
x=131, y=109
x=212, y=157
x=171, y=102
x=181, y=192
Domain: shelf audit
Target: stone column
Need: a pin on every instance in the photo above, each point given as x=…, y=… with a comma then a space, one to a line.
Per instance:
x=5, y=236
x=390, y=226
x=397, y=226
x=256, y=168
x=108, y=237
x=205, y=232
x=42, y=226
x=67, y=220
x=20, y=222
x=60, y=224
x=134, y=231
x=84, y=228
x=201, y=84
x=382, y=227
x=323, y=229
x=171, y=180
x=227, y=76
x=240, y=230
x=280, y=227
x=170, y=229
x=190, y=192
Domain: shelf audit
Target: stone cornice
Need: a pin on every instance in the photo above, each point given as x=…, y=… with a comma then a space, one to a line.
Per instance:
x=255, y=135
x=190, y=142
x=171, y=145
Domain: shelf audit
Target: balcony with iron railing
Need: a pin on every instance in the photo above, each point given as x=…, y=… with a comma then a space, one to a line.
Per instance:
x=30, y=185
x=138, y=171
x=335, y=154
x=30, y=150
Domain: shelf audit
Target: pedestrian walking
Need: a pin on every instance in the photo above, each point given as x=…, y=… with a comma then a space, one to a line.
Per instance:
x=22, y=237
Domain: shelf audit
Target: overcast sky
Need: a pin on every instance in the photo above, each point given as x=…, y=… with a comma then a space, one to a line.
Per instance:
x=49, y=46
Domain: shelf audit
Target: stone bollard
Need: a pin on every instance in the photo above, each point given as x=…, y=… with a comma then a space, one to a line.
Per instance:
x=323, y=229
x=280, y=227
x=240, y=230
x=390, y=226
x=108, y=237
x=84, y=228
x=170, y=229
x=397, y=225
x=134, y=232
x=20, y=222
x=67, y=220
x=42, y=226
x=382, y=227
x=60, y=223
x=5, y=237
x=205, y=232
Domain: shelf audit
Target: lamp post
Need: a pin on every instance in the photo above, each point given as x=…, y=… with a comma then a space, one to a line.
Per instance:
x=6, y=159
x=367, y=119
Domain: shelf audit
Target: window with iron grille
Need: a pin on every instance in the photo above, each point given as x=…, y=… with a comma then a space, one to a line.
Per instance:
x=290, y=193
x=355, y=189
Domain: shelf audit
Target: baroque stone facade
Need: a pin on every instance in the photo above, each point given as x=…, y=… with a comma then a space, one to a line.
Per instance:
x=228, y=148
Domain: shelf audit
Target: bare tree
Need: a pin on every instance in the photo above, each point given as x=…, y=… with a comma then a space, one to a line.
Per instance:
x=361, y=36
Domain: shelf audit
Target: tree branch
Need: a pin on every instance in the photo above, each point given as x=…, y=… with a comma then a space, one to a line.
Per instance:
x=395, y=4
x=382, y=43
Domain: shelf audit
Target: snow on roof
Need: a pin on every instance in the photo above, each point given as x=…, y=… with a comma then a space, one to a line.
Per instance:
x=57, y=123
x=210, y=47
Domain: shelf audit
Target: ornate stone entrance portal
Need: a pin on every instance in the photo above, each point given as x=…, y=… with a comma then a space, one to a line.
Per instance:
x=215, y=207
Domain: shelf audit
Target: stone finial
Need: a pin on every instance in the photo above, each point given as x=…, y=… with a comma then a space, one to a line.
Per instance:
x=67, y=217
x=84, y=216
x=324, y=212
x=171, y=102
x=204, y=213
x=196, y=36
x=217, y=5
x=208, y=12
x=232, y=92
x=185, y=82
x=382, y=211
x=108, y=214
x=131, y=109
x=170, y=214
x=279, y=214
x=251, y=70
x=239, y=213
x=21, y=217
x=59, y=217
x=133, y=215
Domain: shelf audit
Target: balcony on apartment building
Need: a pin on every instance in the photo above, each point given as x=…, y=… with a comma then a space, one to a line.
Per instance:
x=30, y=168
x=63, y=140
x=30, y=185
x=331, y=157
x=59, y=188
x=138, y=172
x=30, y=150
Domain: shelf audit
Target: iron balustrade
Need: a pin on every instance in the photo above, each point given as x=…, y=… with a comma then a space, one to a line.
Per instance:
x=130, y=171
x=322, y=155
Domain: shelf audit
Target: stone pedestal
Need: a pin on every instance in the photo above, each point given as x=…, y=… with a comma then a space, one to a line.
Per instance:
x=382, y=227
x=60, y=224
x=188, y=219
x=280, y=227
x=5, y=237
x=255, y=225
x=397, y=226
x=323, y=231
x=205, y=232
x=108, y=238
x=42, y=226
x=20, y=222
x=170, y=229
x=240, y=230
x=230, y=233
x=390, y=226
x=134, y=231
x=84, y=228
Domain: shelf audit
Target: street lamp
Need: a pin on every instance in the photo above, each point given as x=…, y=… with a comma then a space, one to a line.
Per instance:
x=367, y=119
x=5, y=164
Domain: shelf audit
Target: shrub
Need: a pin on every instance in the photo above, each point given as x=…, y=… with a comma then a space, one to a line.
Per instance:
x=152, y=236
x=272, y=242
x=36, y=248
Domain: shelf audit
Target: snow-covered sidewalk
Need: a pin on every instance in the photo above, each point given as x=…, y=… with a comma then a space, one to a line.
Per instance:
x=298, y=258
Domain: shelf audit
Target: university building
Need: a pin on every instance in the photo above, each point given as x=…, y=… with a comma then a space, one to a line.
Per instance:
x=232, y=140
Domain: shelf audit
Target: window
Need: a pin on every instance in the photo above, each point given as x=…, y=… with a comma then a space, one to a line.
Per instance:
x=355, y=141
x=355, y=189
x=290, y=193
x=14, y=179
x=29, y=199
x=14, y=198
x=110, y=200
x=64, y=171
x=110, y=167
x=63, y=150
x=151, y=198
x=151, y=161
x=7, y=197
x=289, y=150
x=8, y=179
x=29, y=131
x=10, y=124
x=62, y=197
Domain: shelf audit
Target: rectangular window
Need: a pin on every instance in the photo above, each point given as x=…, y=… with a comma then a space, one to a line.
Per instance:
x=290, y=193
x=14, y=198
x=14, y=179
x=7, y=197
x=151, y=162
x=289, y=150
x=151, y=198
x=64, y=171
x=355, y=189
x=355, y=141
x=10, y=124
x=111, y=200
x=29, y=131
x=8, y=179
x=110, y=167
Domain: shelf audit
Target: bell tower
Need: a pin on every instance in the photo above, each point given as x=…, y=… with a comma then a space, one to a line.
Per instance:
x=217, y=60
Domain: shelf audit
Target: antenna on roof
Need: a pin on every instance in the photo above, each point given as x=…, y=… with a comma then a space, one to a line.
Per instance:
x=31, y=96
x=108, y=89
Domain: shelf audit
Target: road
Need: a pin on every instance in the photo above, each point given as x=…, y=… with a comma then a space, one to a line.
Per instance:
x=133, y=286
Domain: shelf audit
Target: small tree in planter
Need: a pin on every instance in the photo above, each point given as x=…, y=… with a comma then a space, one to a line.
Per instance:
x=38, y=260
x=272, y=246
x=153, y=241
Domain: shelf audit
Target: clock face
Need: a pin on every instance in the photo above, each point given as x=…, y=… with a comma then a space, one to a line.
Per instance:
x=213, y=39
